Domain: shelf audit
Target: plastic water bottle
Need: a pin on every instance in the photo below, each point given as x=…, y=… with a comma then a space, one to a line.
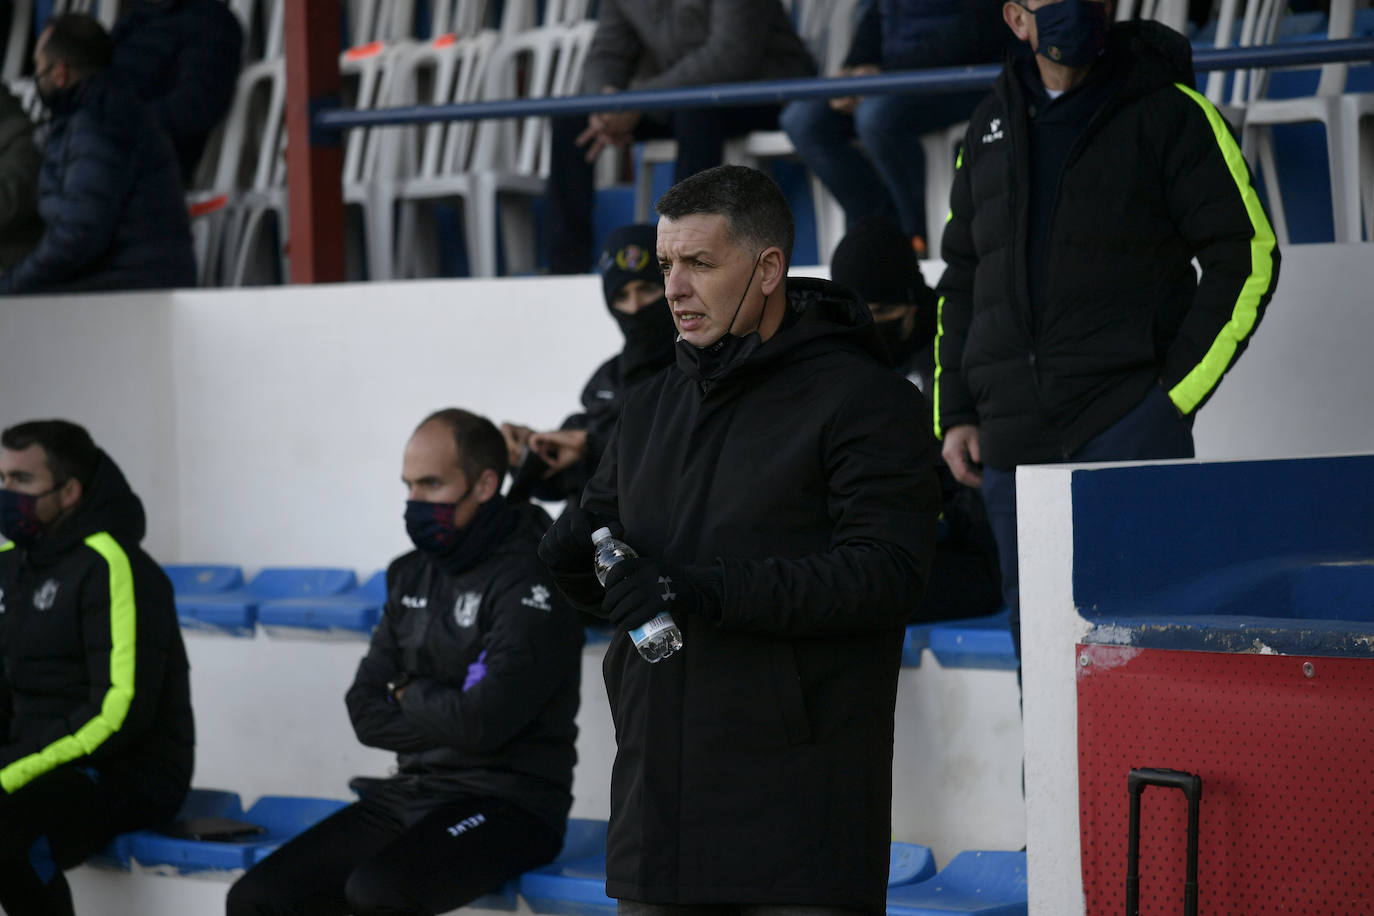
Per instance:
x=660, y=637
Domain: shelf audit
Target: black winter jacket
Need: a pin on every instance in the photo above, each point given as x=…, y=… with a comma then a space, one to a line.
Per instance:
x=1155, y=180
x=181, y=57
x=510, y=735
x=911, y=34
x=20, y=227
x=94, y=669
x=110, y=198
x=797, y=493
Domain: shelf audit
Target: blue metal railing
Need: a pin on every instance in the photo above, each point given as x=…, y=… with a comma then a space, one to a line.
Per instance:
x=942, y=80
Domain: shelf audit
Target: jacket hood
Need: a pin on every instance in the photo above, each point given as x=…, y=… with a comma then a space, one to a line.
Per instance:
x=819, y=313
x=109, y=504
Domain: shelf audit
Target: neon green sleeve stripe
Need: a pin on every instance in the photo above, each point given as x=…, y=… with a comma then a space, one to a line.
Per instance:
x=1196, y=385
x=115, y=706
x=939, y=370
x=8, y=545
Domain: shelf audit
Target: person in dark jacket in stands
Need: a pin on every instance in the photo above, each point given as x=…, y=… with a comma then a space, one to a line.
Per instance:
x=109, y=192
x=1072, y=324
x=634, y=294
x=20, y=227
x=875, y=260
x=181, y=57
x=778, y=485
x=663, y=44
x=887, y=177
x=472, y=679
x=96, y=732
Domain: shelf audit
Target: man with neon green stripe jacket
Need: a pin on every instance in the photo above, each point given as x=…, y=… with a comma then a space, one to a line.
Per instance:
x=96, y=734
x=1072, y=325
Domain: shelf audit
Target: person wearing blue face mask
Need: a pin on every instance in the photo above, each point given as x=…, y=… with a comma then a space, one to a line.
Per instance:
x=472, y=678
x=96, y=730
x=1072, y=324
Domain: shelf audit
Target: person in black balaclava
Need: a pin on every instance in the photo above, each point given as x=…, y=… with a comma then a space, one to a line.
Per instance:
x=875, y=259
x=634, y=295
x=472, y=678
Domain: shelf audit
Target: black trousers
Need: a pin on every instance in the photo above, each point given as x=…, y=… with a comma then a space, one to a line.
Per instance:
x=700, y=133
x=55, y=823
x=383, y=857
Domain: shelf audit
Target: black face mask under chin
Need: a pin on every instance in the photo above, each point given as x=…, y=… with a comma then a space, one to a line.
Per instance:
x=712, y=360
x=649, y=338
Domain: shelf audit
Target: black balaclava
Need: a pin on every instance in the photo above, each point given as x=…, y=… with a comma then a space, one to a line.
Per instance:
x=876, y=260
x=649, y=333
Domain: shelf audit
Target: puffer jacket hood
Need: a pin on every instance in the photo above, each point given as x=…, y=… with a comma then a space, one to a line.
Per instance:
x=109, y=504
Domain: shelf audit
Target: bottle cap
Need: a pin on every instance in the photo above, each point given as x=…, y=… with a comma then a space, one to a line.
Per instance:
x=600, y=535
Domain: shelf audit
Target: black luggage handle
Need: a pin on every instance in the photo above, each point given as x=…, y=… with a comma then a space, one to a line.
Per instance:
x=1191, y=786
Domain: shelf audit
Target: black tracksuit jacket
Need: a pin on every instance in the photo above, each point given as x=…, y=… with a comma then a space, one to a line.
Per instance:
x=796, y=491
x=509, y=736
x=94, y=669
x=1155, y=180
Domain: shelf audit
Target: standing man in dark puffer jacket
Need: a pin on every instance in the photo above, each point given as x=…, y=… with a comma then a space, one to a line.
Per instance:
x=96, y=733
x=109, y=192
x=181, y=57
x=886, y=177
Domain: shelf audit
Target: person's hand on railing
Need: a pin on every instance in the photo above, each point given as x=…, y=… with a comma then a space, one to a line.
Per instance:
x=846, y=104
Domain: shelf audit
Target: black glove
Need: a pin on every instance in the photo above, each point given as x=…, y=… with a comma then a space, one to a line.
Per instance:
x=638, y=590
x=567, y=545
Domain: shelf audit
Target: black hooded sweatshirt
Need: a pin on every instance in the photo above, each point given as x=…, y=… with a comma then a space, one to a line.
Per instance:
x=94, y=669
x=795, y=489
x=1069, y=289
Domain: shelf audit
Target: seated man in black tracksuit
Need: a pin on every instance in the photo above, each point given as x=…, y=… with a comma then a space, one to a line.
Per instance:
x=876, y=260
x=472, y=678
x=634, y=296
x=96, y=734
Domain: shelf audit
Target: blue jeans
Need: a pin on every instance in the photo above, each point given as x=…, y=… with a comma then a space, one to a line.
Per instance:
x=1150, y=431
x=887, y=177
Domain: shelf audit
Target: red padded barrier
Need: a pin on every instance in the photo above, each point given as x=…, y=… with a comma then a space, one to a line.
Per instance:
x=1285, y=749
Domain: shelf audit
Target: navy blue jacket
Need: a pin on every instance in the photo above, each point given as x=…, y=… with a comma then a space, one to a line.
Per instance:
x=181, y=57
x=911, y=34
x=110, y=199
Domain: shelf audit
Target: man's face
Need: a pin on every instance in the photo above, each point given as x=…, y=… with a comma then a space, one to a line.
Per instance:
x=635, y=295
x=431, y=472
x=26, y=471
x=48, y=74
x=704, y=276
x=1020, y=18
x=902, y=317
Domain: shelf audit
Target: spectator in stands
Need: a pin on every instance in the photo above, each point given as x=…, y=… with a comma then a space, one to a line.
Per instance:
x=887, y=176
x=108, y=190
x=20, y=227
x=1073, y=326
x=95, y=706
x=634, y=295
x=875, y=260
x=472, y=678
x=181, y=57
x=664, y=44
x=779, y=489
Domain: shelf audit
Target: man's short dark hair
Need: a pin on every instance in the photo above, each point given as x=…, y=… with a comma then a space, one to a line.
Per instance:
x=68, y=449
x=80, y=42
x=755, y=210
x=481, y=447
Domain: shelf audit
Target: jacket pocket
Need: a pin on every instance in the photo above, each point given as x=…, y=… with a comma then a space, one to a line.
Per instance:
x=791, y=699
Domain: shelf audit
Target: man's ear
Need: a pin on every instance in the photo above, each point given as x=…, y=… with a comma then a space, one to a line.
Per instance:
x=70, y=493
x=1017, y=18
x=772, y=269
x=488, y=485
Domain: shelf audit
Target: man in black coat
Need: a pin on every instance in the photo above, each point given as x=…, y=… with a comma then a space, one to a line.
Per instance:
x=778, y=486
x=472, y=679
x=109, y=192
x=1073, y=325
x=96, y=733
x=181, y=57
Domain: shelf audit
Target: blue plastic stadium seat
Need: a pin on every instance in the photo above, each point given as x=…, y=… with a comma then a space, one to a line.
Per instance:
x=917, y=638
x=909, y=863
x=212, y=598
x=974, y=883
x=203, y=578
x=350, y=614
x=152, y=849
x=285, y=816
x=235, y=611
x=981, y=642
